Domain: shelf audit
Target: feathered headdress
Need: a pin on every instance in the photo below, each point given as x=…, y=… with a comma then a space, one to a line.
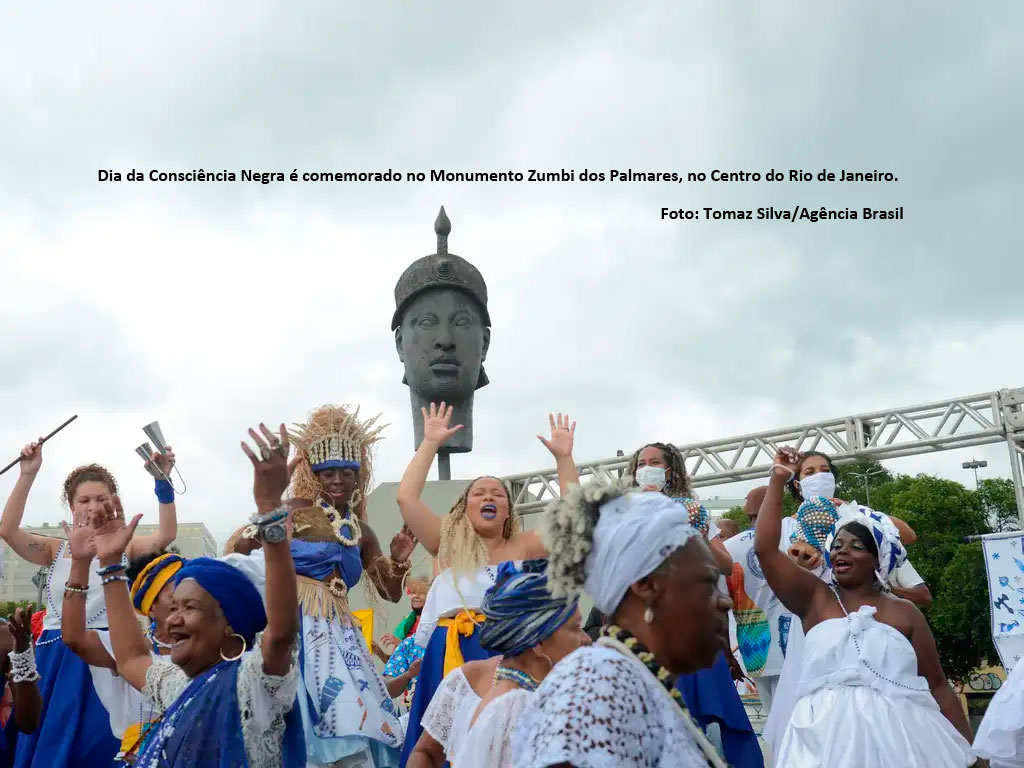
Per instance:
x=334, y=437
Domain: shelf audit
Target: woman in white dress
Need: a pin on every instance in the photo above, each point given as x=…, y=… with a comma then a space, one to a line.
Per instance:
x=480, y=531
x=866, y=655
x=613, y=704
x=1000, y=738
x=227, y=692
x=533, y=631
x=75, y=729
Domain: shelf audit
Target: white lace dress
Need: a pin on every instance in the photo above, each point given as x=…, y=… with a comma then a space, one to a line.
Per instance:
x=489, y=741
x=450, y=710
x=1000, y=739
x=266, y=699
x=598, y=709
x=848, y=717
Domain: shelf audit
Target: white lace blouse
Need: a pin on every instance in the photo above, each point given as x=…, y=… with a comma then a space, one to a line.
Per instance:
x=599, y=709
x=449, y=712
x=266, y=699
x=489, y=741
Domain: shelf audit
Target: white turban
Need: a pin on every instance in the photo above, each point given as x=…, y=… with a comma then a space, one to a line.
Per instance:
x=634, y=534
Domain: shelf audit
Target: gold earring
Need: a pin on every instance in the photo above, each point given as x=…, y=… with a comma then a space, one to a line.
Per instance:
x=240, y=653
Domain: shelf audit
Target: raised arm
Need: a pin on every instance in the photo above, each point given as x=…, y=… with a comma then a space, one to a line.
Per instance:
x=28, y=701
x=560, y=445
x=424, y=524
x=907, y=534
x=793, y=585
x=168, y=513
x=387, y=574
x=131, y=649
x=930, y=668
x=39, y=550
x=84, y=643
x=270, y=478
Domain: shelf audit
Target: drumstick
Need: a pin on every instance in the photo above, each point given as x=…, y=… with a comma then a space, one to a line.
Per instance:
x=58, y=429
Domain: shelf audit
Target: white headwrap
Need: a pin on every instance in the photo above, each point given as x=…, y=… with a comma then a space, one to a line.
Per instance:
x=891, y=552
x=634, y=534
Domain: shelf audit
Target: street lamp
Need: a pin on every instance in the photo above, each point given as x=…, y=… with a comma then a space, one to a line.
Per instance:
x=975, y=465
x=865, y=476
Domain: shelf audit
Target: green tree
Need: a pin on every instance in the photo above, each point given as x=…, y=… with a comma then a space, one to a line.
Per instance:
x=7, y=608
x=738, y=516
x=942, y=512
x=850, y=479
x=1000, y=503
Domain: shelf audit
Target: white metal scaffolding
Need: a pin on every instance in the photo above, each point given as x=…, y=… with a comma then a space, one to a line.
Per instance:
x=959, y=422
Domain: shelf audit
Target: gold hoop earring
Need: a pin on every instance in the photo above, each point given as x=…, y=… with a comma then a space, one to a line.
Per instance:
x=240, y=653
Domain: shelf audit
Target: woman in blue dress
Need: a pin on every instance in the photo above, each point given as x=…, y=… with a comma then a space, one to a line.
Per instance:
x=75, y=730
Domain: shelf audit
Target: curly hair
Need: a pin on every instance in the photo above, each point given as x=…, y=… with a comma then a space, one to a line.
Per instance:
x=678, y=481
x=569, y=533
x=87, y=473
x=461, y=547
x=791, y=485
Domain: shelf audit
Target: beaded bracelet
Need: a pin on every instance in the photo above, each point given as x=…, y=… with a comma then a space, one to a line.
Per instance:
x=77, y=589
x=23, y=666
x=111, y=579
x=110, y=569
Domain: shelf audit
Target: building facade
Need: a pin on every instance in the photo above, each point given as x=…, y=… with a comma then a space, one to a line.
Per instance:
x=16, y=584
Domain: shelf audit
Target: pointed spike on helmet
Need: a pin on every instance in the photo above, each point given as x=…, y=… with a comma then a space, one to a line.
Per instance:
x=442, y=228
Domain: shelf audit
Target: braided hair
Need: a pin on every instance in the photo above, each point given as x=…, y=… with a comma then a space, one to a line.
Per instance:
x=677, y=483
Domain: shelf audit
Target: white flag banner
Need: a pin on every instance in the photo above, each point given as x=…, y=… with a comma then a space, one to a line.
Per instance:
x=1004, y=563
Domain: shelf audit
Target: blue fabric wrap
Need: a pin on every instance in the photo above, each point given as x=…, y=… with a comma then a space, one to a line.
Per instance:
x=75, y=730
x=203, y=727
x=334, y=464
x=431, y=674
x=711, y=697
x=164, y=491
x=318, y=559
x=520, y=611
x=239, y=599
x=141, y=594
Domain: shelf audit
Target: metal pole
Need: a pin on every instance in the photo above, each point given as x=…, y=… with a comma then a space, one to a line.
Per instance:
x=444, y=465
x=1016, y=460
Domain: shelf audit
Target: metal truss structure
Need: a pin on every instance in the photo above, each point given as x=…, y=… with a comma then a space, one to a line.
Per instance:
x=959, y=422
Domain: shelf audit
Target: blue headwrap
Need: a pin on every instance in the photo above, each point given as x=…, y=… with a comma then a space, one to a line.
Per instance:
x=520, y=611
x=239, y=599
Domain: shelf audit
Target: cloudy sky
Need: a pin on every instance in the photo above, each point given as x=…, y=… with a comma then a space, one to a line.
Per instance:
x=211, y=306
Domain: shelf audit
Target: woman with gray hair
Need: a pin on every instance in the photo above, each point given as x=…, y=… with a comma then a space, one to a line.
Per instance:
x=651, y=572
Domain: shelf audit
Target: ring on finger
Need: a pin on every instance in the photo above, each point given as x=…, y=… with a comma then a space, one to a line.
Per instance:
x=265, y=453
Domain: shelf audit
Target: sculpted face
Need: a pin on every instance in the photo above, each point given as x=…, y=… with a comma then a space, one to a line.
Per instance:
x=443, y=342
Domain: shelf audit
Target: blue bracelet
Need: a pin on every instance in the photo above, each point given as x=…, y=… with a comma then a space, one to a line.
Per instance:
x=164, y=491
x=107, y=570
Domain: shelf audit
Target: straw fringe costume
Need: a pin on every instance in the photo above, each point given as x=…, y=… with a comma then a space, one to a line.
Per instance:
x=346, y=710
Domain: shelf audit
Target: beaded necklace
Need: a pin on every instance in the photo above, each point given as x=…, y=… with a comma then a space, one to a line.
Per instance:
x=338, y=522
x=625, y=639
x=524, y=680
x=864, y=661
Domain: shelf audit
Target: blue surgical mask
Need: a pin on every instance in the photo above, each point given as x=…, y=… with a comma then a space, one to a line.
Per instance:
x=650, y=476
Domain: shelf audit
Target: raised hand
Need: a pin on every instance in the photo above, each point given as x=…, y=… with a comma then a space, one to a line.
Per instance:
x=31, y=458
x=786, y=462
x=562, y=435
x=805, y=555
x=81, y=540
x=110, y=532
x=270, y=468
x=164, y=461
x=20, y=625
x=402, y=545
x=435, y=424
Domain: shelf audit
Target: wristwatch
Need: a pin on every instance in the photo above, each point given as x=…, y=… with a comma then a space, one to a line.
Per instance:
x=270, y=527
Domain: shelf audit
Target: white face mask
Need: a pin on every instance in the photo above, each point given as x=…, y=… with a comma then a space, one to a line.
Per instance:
x=650, y=476
x=818, y=484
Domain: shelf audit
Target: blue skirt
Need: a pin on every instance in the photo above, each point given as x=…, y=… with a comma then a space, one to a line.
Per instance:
x=431, y=674
x=75, y=730
x=711, y=697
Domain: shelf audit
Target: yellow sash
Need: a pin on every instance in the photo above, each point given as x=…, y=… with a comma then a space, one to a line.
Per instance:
x=461, y=624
